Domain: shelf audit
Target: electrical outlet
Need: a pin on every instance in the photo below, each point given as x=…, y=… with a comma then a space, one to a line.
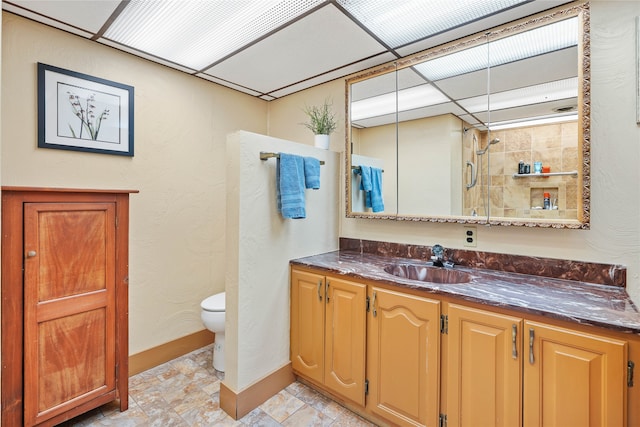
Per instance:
x=470, y=236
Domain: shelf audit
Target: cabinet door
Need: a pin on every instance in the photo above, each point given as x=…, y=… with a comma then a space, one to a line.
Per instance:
x=69, y=306
x=307, y=324
x=484, y=368
x=404, y=358
x=345, y=338
x=573, y=378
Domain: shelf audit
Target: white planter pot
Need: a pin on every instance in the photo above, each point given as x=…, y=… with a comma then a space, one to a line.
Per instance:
x=322, y=141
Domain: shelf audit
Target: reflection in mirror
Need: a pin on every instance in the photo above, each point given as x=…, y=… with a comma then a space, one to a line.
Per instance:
x=469, y=112
x=373, y=143
x=533, y=113
x=433, y=177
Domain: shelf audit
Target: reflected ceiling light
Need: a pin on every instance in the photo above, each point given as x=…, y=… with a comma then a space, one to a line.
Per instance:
x=199, y=33
x=408, y=99
x=544, y=120
x=549, y=38
x=399, y=23
x=536, y=94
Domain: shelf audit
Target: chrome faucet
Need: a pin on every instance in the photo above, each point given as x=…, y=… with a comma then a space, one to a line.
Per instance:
x=438, y=257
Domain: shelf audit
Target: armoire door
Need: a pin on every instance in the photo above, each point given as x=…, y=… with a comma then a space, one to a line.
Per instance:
x=69, y=306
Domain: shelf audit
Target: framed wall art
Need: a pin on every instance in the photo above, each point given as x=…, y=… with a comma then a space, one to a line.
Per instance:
x=83, y=113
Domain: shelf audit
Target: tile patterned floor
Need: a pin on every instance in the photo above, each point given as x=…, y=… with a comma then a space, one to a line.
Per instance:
x=185, y=392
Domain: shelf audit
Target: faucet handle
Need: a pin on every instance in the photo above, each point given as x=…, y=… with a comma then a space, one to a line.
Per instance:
x=438, y=251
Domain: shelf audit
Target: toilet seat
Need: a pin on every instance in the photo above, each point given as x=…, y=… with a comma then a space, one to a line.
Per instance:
x=214, y=303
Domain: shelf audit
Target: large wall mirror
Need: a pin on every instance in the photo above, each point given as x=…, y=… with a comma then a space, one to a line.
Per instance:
x=491, y=129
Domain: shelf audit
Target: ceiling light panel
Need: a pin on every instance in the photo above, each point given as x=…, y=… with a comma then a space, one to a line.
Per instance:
x=198, y=33
x=406, y=99
x=537, y=94
x=398, y=23
x=549, y=38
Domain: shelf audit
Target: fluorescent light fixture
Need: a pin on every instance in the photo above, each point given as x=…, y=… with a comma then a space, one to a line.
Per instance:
x=544, y=120
x=399, y=23
x=199, y=33
x=536, y=94
x=408, y=99
x=549, y=38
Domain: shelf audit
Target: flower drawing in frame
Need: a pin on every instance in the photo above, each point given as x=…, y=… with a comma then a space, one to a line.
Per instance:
x=83, y=113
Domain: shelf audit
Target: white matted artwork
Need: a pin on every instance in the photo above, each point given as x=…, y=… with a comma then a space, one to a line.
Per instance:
x=83, y=113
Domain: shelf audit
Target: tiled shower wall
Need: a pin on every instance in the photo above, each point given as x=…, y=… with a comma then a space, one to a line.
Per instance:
x=554, y=145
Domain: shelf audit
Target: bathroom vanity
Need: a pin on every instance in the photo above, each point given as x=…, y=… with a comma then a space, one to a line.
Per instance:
x=482, y=347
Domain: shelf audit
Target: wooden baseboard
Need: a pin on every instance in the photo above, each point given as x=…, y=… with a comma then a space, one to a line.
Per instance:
x=168, y=351
x=237, y=405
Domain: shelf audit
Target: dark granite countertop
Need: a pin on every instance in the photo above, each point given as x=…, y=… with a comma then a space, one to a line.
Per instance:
x=580, y=302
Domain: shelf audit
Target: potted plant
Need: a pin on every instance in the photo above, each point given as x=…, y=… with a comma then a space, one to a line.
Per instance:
x=321, y=122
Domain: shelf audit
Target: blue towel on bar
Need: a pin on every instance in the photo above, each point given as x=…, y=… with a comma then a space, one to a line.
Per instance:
x=375, y=195
x=290, y=186
x=365, y=179
x=312, y=173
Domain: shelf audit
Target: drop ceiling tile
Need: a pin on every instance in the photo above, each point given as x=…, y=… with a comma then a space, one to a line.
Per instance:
x=88, y=16
x=318, y=43
x=336, y=74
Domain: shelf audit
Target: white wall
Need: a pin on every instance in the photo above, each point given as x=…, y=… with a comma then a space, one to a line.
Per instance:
x=430, y=152
x=260, y=244
x=615, y=155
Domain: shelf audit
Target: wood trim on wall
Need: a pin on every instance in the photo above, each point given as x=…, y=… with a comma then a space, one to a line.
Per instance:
x=163, y=353
x=237, y=405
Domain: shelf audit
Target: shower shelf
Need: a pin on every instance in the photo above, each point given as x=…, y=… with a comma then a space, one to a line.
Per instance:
x=542, y=175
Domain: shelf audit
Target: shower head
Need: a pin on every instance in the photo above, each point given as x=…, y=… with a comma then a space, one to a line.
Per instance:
x=493, y=141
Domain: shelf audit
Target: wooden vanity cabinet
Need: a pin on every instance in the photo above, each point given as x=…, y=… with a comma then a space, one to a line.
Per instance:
x=567, y=377
x=573, y=378
x=403, y=358
x=328, y=326
x=484, y=368
x=497, y=368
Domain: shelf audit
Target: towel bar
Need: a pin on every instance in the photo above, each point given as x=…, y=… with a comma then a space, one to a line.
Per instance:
x=265, y=155
x=357, y=168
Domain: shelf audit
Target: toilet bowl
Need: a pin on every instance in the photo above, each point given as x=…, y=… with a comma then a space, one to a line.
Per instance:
x=213, y=316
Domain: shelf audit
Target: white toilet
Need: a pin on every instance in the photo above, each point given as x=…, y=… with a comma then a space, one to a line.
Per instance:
x=213, y=314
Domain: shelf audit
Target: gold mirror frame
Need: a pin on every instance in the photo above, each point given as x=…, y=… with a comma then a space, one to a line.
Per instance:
x=581, y=10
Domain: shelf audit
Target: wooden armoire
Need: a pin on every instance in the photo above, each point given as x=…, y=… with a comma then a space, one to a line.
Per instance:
x=64, y=303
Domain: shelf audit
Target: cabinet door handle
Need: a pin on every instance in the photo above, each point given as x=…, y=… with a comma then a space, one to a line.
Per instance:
x=319, y=290
x=327, y=291
x=373, y=304
x=531, y=337
x=514, y=335
x=31, y=254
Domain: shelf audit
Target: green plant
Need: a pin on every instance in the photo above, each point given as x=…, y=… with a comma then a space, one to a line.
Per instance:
x=322, y=119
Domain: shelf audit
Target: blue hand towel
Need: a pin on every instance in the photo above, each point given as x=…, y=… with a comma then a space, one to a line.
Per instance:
x=365, y=178
x=290, y=186
x=365, y=184
x=312, y=173
x=377, y=204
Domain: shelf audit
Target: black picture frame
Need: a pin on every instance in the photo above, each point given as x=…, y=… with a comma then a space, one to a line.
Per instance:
x=80, y=112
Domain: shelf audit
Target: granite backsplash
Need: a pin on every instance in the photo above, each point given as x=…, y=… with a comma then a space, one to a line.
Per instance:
x=603, y=274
